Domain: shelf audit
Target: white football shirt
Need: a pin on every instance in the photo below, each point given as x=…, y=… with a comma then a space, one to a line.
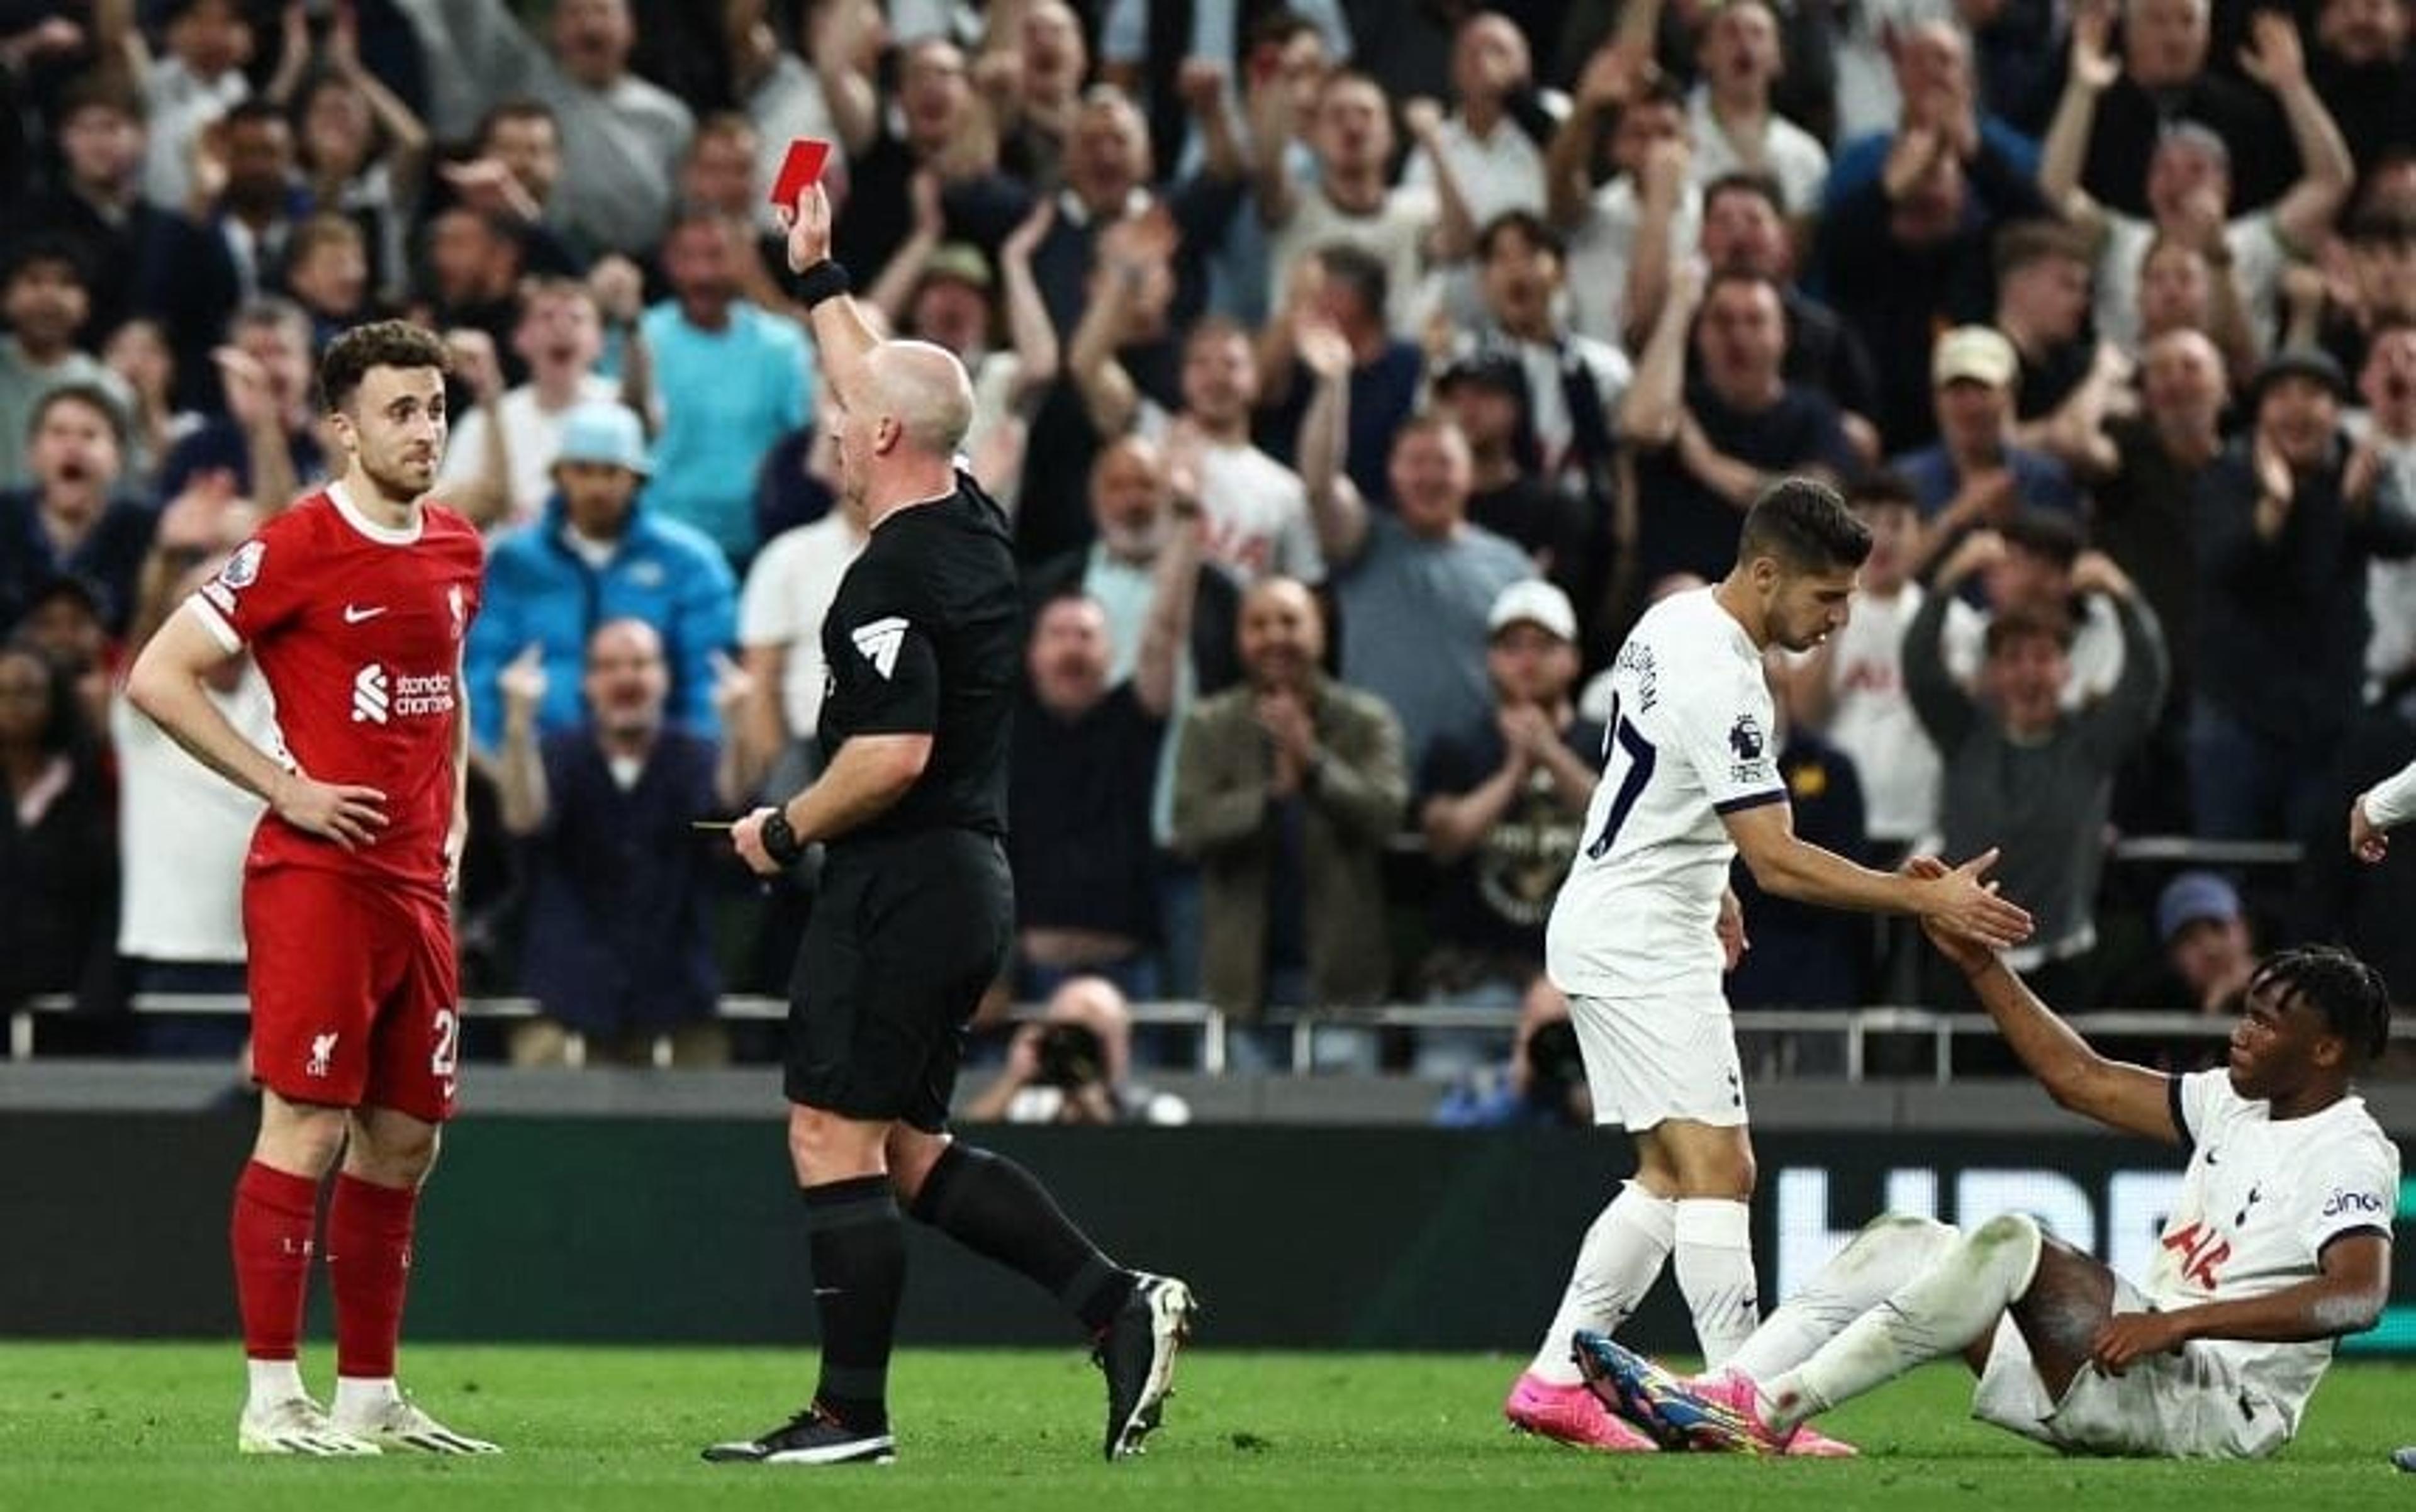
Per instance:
x=1690, y=738
x=2260, y=1202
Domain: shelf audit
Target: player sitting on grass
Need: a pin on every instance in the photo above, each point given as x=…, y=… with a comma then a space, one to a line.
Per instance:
x=2279, y=1245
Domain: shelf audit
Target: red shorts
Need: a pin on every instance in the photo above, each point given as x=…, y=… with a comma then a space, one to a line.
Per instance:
x=355, y=995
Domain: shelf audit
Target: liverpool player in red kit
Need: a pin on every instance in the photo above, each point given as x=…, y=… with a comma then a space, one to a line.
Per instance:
x=354, y=602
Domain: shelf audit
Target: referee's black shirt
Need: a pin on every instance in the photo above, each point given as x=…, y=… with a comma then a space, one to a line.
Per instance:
x=926, y=636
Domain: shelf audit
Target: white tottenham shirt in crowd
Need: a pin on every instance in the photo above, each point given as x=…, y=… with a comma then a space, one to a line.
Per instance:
x=1691, y=738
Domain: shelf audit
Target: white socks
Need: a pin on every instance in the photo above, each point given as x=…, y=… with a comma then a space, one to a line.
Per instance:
x=1618, y=1262
x=1714, y=1240
x=274, y=1380
x=358, y=1394
x=1890, y=1251
x=1945, y=1306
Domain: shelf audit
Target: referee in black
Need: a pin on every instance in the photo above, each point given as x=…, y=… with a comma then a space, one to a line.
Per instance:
x=917, y=910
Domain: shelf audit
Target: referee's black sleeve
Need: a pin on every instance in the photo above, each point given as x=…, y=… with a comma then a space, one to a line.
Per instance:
x=891, y=685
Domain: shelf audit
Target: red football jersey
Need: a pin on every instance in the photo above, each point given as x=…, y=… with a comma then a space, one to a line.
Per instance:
x=358, y=630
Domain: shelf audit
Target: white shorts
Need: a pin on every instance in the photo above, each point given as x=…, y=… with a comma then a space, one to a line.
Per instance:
x=2192, y=1405
x=1649, y=1060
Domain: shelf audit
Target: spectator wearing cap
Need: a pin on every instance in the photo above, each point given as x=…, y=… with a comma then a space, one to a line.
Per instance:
x=600, y=553
x=2189, y=193
x=2206, y=942
x=2024, y=775
x=44, y=297
x=1414, y=586
x=730, y=378
x=1974, y=475
x=1502, y=802
x=2287, y=524
x=71, y=521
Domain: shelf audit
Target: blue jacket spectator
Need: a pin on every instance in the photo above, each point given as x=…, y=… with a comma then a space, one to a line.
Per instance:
x=600, y=555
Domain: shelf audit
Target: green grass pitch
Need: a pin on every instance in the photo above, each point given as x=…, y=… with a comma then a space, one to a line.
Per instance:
x=151, y=1426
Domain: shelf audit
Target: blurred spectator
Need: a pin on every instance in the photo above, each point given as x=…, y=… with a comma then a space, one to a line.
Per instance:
x=1144, y=45
x=2362, y=69
x=787, y=593
x=1735, y=129
x=2188, y=189
x=2387, y=424
x=267, y=437
x=1414, y=587
x=362, y=149
x=1341, y=289
x=138, y=354
x=1287, y=789
x=72, y=520
x=1851, y=686
x=1072, y=1066
x=1257, y=509
x=2287, y=523
x=1904, y=247
x=933, y=120
x=2027, y=777
x=1493, y=140
x=475, y=262
x=225, y=246
x=327, y=273
x=2206, y=944
x=2380, y=247
x=43, y=297
x=1486, y=396
x=1622, y=232
x=1800, y=955
x=1031, y=73
x=1543, y=1083
x=620, y=137
x=2341, y=896
x=183, y=831
x=1575, y=382
x=730, y=379
x=1937, y=102
x=1745, y=229
x=1084, y=760
x=2143, y=492
x=1349, y=199
x=209, y=44
x=600, y=553
x=97, y=204
x=499, y=473
x=618, y=943
x=2166, y=80
x=511, y=180
x=2030, y=565
x=1974, y=476
x=1708, y=447
x=1502, y=803
x=66, y=622
x=2067, y=385
x=58, y=848
x=2180, y=289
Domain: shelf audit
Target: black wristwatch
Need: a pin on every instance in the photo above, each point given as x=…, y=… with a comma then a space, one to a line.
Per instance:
x=781, y=843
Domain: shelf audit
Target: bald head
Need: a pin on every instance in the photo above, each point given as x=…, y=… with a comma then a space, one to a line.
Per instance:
x=924, y=388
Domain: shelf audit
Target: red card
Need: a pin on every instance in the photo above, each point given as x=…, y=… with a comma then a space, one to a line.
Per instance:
x=800, y=170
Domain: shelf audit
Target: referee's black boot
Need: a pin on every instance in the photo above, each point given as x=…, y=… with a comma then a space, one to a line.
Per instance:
x=1136, y=1351
x=814, y=1437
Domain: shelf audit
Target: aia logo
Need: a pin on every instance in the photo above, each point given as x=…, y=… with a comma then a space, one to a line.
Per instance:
x=2202, y=1252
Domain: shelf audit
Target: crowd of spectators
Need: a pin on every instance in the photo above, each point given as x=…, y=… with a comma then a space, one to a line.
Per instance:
x=1355, y=370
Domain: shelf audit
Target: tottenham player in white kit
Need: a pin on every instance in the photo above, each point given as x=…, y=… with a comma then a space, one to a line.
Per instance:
x=2278, y=1247
x=1645, y=925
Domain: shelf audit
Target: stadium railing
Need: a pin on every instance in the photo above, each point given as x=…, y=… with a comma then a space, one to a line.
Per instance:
x=1854, y=1029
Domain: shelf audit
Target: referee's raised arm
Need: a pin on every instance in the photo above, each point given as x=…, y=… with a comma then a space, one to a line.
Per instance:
x=843, y=336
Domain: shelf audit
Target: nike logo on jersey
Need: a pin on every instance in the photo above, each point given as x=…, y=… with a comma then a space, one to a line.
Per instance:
x=880, y=641
x=353, y=613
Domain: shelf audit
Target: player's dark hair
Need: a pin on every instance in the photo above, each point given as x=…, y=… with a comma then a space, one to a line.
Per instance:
x=1806, y=526
x=91, y=396
x=386, y=343
x=2347, y=992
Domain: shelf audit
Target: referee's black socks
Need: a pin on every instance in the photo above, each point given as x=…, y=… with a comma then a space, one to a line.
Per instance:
x=997, y=1209
x=858, y=1243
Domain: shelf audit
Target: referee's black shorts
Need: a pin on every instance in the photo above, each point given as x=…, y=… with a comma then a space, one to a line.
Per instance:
x=907, y=934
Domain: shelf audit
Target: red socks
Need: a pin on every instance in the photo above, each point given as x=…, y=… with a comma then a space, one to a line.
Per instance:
x=369, y=1264
x=274, y=1215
